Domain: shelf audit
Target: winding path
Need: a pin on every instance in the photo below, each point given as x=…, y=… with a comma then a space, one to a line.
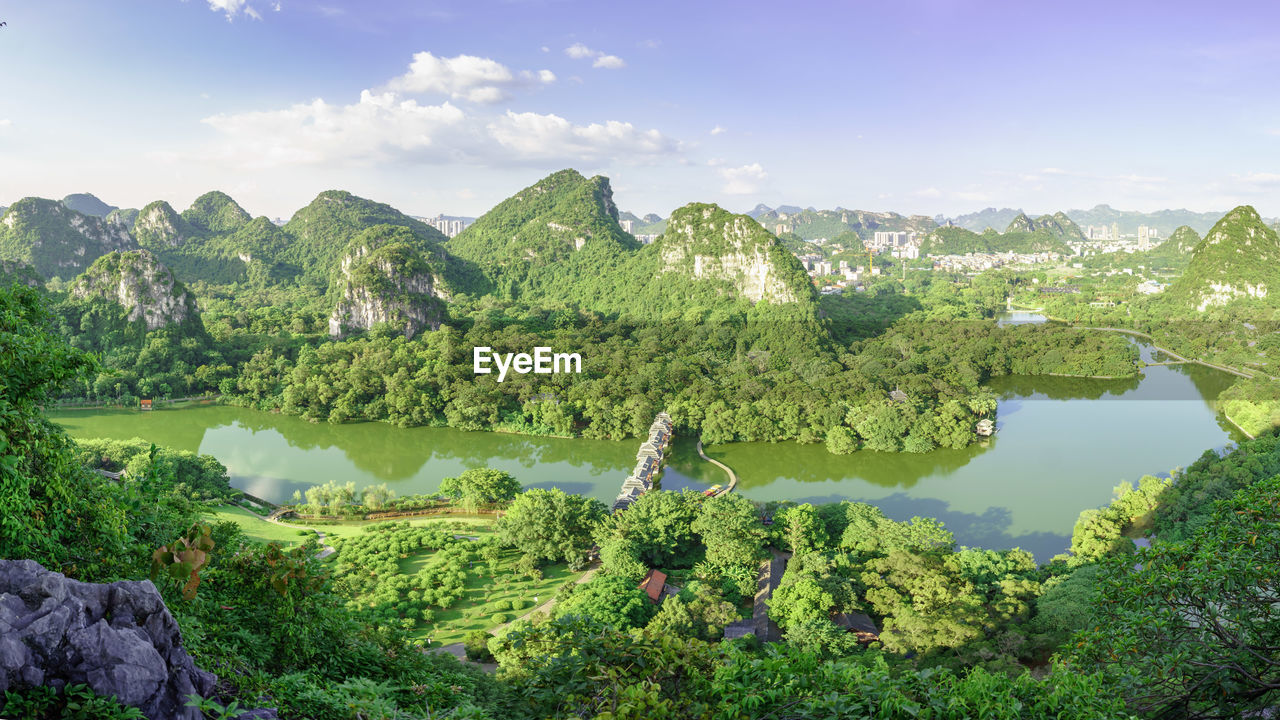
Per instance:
x=325, y=550
x=733, y=478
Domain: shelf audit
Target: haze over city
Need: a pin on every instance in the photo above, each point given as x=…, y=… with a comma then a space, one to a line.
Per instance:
x=924, y=106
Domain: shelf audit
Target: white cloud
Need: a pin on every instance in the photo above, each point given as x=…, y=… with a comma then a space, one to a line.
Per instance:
x=1262, y=179
x=717, y=130
x=649, y=44
x=929, y=192
x=743, y=180
x=5, y=122
x=578, y=51
x=532, y=135
x=546, y=49
x=385, y=127
x=378, y=127
x=465, y=77
x=233, y=8
x=466, y=194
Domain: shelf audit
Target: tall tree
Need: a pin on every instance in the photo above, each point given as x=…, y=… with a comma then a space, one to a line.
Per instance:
x=480, y=486
x=731, y=530
x=551, y=525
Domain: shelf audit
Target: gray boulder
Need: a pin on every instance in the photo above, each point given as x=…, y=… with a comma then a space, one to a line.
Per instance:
x=118, y=639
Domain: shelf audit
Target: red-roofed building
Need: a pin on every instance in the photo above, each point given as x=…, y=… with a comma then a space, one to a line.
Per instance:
x=652, y=584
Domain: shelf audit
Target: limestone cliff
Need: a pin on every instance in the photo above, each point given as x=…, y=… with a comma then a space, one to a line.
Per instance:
x=706, y=242
x=159, y=227
x=58, y=241
x=139, y=283
x=385, y=277
x=1237, y=260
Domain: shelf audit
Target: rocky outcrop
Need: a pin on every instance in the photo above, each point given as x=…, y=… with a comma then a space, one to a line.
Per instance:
x=159, y=227
x=1237, y=260
x=385, y=278
x=58, y=241
x=141, y=284
x=707, y=242
x=118, y=639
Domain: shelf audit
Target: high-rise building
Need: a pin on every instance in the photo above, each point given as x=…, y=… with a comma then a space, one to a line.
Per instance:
x=626, y=224
x=1144, y=237
x=1115, y=231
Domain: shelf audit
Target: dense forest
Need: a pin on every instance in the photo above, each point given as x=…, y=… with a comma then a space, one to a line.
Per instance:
x=1098, y=632
x=354, y=311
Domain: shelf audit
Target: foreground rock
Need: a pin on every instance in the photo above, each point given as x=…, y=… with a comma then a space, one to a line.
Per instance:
x=118, y=639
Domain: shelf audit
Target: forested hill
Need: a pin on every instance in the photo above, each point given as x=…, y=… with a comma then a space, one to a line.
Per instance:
x=958, y=241
x=810, y=224
x=1237, y=261
x=56, y=240
x=1057, y=225
x=562, y=229
x=558, y=241
x=320, y=231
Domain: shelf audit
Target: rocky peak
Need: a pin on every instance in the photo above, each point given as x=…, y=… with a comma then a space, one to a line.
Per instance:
x=1239, y=258
x=707, y=242
x=1021, y=223
x=141, y=284
x=384, y=277
x=57, y=241
x=159, y=226
x=87, y=203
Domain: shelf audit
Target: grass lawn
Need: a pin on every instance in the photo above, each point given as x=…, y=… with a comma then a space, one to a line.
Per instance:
x=255, y=527
x=472, y=525
x=469, y=613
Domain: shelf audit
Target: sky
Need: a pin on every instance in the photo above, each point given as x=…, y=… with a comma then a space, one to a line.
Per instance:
x=450, y=106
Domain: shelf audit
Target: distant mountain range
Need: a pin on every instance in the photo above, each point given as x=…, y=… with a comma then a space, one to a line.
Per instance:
x=1165, y=221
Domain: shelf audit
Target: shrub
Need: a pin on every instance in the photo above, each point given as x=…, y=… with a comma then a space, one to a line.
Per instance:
x=499, y=606
x=519, y=604
x=501, y=618
x=477, y=646
x=303, y=532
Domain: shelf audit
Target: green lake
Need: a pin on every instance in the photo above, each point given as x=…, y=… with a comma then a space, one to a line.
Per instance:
x=1063, y=444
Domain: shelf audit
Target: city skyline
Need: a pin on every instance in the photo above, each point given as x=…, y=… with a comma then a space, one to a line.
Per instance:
x=922, y=107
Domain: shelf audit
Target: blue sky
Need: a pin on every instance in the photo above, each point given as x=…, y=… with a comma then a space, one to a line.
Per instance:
x=918, y=106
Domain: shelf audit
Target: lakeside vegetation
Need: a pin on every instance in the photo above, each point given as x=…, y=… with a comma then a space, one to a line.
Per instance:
x=965, y=646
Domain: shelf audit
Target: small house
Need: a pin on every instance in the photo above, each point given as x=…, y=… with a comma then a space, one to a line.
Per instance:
x=859, y=624
x=144, y=404
x=986, y=427
x=653, y=584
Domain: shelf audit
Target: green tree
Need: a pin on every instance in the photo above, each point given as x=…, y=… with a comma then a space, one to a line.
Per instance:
x=551, y=525
x=841, y=440
x=730, y=528
x=1194, y=630
x=479, y=486
x=804, y=530
x=655, y=532
x=611, y=600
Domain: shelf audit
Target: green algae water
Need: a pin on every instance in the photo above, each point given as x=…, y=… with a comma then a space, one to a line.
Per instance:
x=1063, y=445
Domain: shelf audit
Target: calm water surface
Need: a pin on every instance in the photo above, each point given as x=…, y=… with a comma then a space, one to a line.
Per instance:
x=1063, y=445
